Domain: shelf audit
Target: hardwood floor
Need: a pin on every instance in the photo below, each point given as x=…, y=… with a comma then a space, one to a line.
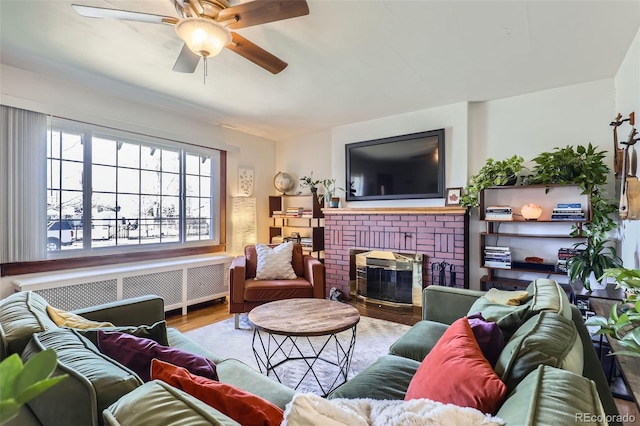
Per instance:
x=208, y=313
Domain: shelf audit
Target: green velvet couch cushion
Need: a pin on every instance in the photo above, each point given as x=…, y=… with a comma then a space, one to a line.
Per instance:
x=547, y=338
x=419, y=340
x=158, y=404
x=507, y=317
x=240, y=375
x=551, y=396
x=387, y=378
x=95, y=381
x=547, y=295
x=178, y=340
x=156, y=332
x=21, y=315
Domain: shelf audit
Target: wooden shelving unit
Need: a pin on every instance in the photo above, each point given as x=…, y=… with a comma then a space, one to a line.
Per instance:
x=540, y=238
x=310, y=227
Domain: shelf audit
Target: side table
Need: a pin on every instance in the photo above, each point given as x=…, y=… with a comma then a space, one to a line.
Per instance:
x=284, y=330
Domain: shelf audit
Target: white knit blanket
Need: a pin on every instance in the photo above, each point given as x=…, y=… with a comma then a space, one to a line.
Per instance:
x=311, y=410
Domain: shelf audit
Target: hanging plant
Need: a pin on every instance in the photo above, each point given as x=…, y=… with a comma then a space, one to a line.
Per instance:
x=585, y=167
x=493, y=173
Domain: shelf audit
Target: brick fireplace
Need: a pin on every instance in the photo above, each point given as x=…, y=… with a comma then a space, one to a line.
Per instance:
x=440, y=234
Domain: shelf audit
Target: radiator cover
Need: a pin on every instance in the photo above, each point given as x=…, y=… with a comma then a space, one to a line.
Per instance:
x=181, y=282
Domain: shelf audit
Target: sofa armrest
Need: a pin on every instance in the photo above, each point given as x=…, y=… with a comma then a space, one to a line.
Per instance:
x=447, y=304
x=314, y=273
x=592, y=366
x=237, y=276
x=143, y=310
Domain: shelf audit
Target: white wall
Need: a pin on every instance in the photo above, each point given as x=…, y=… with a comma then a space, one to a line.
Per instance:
x=300, y=157
x=627, y=82
x=530, y=124
x=44, y=94
x=526, y=125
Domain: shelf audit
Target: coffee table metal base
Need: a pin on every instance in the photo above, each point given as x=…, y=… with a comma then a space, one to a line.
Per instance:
x=272, y=350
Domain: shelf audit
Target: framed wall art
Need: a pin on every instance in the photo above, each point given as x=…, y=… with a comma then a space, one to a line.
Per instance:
x=453, y=196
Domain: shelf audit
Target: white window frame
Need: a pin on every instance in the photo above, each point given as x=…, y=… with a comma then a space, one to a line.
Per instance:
x=88, y=131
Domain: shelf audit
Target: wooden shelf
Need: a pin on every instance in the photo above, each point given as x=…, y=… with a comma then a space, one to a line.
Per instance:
x=516, y=232
x=314, y=225
x=513, y=234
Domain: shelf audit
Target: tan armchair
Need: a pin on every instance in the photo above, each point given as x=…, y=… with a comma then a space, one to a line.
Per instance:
x=245, y=292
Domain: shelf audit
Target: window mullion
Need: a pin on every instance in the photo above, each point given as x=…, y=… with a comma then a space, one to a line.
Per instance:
x=87, y=192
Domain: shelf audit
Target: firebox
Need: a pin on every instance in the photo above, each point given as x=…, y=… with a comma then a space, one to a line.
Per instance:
x=389, y=277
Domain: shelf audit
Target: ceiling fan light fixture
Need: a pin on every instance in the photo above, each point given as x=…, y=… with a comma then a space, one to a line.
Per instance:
x=204, y=37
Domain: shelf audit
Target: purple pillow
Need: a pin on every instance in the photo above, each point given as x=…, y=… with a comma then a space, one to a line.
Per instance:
x=488, y=335
x=136, y=353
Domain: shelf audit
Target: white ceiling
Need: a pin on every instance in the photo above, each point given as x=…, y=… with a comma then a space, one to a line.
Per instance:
x=349, y=61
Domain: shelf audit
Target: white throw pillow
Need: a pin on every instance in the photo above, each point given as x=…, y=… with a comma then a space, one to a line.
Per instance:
x=275, y=263
x=313, y=410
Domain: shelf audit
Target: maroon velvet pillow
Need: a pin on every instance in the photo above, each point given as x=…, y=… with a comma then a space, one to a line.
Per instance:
x=488, y=335
x=136, y=353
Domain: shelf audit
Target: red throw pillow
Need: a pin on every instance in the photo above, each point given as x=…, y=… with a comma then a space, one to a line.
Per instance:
x=242, y=406
x=136, y=353
x=456, y=372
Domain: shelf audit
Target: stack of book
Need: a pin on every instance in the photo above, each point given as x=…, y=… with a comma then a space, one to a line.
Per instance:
x=563, y=256
x=497, y=257
x=306, y=242
x=568, y=211
x=498, y=213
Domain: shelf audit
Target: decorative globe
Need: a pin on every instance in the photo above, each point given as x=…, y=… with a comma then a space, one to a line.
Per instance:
x=283, y=182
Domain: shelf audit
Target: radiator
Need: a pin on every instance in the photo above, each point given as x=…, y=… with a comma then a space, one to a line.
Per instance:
x=181, y=282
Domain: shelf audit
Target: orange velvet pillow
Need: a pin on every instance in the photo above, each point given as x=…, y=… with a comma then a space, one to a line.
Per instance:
x=242, y=406
x=456, y=372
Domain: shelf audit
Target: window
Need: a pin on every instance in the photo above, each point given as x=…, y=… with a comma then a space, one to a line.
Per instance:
x=112, y=191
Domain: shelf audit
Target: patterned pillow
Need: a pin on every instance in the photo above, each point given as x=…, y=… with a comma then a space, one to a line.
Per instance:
x=275, y=263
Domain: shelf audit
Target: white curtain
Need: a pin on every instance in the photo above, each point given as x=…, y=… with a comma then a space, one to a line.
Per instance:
x=23, y=185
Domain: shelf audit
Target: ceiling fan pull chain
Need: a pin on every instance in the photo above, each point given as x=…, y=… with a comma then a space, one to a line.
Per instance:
x=204, y=82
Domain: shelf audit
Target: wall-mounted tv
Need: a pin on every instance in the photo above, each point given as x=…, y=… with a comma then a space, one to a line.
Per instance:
x=398, y=167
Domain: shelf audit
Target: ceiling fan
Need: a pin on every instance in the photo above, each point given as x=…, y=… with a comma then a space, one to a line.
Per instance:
x=204, y=26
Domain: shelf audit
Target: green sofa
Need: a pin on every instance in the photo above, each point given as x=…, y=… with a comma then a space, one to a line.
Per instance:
x=550, y=366
x=96, y=382
x=103, y=392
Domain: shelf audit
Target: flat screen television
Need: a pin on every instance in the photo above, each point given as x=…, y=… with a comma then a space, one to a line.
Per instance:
x=398, y=167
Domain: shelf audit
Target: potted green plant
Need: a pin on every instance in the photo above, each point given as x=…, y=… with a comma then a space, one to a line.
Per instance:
x=493, y=173
x=310, y=182
x=591, y=261
x=21, y=383
x=623, y=322
x=330, y=190
x=584, y=166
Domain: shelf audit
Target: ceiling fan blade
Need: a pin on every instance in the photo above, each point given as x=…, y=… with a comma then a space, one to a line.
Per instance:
x=263, y=11
x=256, y=54
x=125, y=15
x=187, y=61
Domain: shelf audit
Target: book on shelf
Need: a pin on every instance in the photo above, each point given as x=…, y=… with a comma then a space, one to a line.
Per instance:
x=497, y=257
x=564, y=254
x=498, y=213
x=568, y=211
x=496, y=264
x=569, y=206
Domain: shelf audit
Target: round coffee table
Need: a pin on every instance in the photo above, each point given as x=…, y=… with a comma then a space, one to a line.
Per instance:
x=317, y=322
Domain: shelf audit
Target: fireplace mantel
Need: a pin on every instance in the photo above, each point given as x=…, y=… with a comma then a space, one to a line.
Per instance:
x=396, y=210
